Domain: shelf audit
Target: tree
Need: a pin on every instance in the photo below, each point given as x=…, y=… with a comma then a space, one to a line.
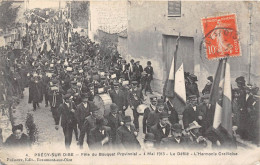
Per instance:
x=7, y=14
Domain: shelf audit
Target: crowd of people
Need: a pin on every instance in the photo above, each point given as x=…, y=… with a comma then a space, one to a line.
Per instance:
x=68, y=71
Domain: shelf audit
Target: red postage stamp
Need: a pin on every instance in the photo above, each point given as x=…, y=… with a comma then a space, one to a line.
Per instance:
x=221, y=36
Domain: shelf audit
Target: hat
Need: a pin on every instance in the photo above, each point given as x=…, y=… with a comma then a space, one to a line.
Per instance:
x=67, y=96
x=193, y=77
x=153, y=98
x=113, y=107
x=160, y=102
x=194, y=125
x=127, y=119
x=16, y=127
x=149, y=63
x=132, y=60
x=55, y=81
x=192, y=97
x=163, y=115
x=177, y=127
x=240, y=79
x=210, y=78
x=134, y=82
x=115, y=83
x=206, y=96
x=149, y=137
x=94, y=108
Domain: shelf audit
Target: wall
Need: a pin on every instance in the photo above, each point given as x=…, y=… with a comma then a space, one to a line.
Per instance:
x=148, y=22
x=108, y=16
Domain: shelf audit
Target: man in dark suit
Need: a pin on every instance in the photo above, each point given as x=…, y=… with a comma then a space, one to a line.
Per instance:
x=176, y=140
x=151, y=108
x=99, y=137
x=115, y=120
x=138, y=72
x=118, y=97
x=154, y=116
x=191, y=112
x=89, y=123
x=173, y=118
x=68, y=120
x=83, y=110
x=135, y=99
x=161, y=129
x=192, y=86
x=149, y=78
x=126, y=135
x=35, y=92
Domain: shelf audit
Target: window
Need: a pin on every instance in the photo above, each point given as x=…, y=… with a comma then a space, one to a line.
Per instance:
x=174, y=8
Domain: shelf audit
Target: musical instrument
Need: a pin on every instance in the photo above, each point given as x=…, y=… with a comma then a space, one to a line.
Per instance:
x=140, y=108
x=103, y=101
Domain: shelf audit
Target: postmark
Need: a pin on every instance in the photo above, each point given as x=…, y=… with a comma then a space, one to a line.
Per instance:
x=221, y=37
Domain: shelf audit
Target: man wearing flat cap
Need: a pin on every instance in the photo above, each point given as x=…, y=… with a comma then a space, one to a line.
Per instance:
x=115, y=120
x=17, y=138
x=176, y=141
x=161, y=129
x=151, y=108
x=127, y=135
x=67, y=118
x=89, y=123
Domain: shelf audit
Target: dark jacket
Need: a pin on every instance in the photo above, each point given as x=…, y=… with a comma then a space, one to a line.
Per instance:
x=96, y=136
x=189, y=115
x=89, y=123
x=22, y=142
x=145, y=117
x=127, y=138
x=118, y=98
x=152, y=119
x=173, y=118
x=35, y=92
x=81, y=113
x=158, y=133
x=207, y=89
x=171, y=143
x=66, y=115
x=149, y=71
x=114, y=124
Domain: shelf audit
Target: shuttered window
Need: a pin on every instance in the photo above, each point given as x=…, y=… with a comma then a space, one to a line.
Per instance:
x=174, y=8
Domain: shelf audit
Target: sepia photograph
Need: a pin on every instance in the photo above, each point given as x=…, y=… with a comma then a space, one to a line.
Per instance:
x=129, y=82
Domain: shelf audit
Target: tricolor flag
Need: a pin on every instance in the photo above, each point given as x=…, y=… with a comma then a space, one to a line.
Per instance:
x=175, y=88
x=220, y=97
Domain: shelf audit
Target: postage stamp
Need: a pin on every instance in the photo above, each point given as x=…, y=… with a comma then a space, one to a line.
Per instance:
x=221, y=36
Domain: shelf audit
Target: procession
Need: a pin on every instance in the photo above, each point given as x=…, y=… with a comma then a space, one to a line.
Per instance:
x=103, y=101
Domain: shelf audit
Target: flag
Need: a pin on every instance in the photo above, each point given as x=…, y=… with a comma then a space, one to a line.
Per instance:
x=221, y=97
x=48, y=45
x=175, y=87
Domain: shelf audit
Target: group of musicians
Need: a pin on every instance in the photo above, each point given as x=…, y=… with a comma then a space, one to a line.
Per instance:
x=69, y=82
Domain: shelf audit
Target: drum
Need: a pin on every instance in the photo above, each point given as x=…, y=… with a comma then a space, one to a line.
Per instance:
x=140, y=109
x=103, y=101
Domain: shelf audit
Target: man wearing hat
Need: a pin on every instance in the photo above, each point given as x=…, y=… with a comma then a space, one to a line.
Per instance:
x=176, y=140
x=131, y=68
x=151, y=108
x=154, y=116
x=243, y=125
x=35, y=92
x=161, y=129
x=206, y=115
x=192, y=86
x=75, y=92
x=99, y=137
x=174, y=117
x=191, y=111
x=89, y=123
x=83, y=110
x=55, y=98
x=149, y=71
x=207, y=87
x=115, y=120
x=138, y=71
x=67, y=118
x=118, y=97
x=198, y=141
x=135, y=99
x=127, y=135
x=17, y=138
x=149, y=141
